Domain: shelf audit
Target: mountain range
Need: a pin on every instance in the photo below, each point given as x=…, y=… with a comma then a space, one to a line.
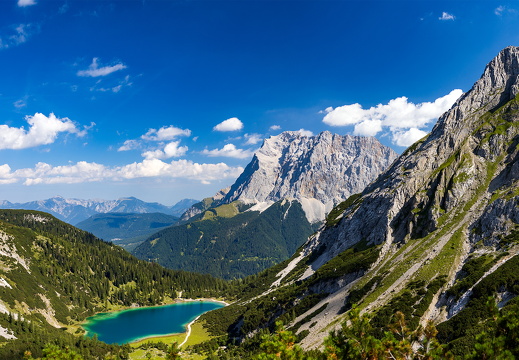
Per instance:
x=74, y=211
x=433, y=238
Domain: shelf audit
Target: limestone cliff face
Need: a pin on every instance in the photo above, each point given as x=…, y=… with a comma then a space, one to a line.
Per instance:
x=319, y=171
x=467, y=156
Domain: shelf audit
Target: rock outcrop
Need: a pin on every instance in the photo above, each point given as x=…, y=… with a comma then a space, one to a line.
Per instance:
x=318, y=171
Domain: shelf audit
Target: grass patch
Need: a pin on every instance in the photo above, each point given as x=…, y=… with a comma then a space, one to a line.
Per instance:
x=199, y=334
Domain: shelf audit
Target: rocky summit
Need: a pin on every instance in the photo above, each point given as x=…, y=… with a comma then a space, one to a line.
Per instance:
x=319, y=171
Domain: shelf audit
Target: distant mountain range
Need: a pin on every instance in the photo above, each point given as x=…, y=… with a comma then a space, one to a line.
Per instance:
x=126, y=230
x=74, y=211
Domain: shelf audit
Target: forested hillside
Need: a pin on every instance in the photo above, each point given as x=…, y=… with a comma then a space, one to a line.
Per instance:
x=54, y=275
x=228, y=243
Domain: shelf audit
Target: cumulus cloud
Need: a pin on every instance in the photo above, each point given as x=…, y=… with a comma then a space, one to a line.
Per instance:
x=274, y=128
x=253, y=139
x=409, y=137
x=165, y=133
x=95, y=71
x=446, y=16
x=305, y=132
x=43, y=130
x=232, y=124
x=24, y=3
x=170, y=150
x=82, y=171
x=398, y=115
x=368, y=128
x=229, y=150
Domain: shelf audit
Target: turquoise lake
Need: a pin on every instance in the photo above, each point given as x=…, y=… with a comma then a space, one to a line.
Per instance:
x=125, y=326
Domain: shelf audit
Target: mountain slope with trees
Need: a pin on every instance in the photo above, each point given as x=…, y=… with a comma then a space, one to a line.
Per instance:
x=228, y=242
x=54, y=275
x=434, y=237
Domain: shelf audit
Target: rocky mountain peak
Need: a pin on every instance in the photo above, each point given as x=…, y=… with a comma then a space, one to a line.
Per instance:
x=319, y=170
x=498, y=84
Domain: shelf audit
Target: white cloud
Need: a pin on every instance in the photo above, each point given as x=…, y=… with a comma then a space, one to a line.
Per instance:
x=229, y=150
x=130, y=145
x=170, y=150
x=446, y=16
x=42, y=130
x=500, y=10
x=83, y=171
x=20, y=35
x=398, y=115
x=23, y=3
x=116, y=88
x=274, y=127
x=368, y=128
x=20, y=103
x=165, y=133
x=231, y=124
x=95, y=71
x=305, y=132
x=409, y=137
x=253, y=139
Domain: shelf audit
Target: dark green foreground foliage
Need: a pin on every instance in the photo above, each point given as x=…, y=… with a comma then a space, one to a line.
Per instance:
x=356, y=340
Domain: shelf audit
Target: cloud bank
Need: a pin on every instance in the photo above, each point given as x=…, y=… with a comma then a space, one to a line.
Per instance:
x=83, y=171
x=403, y=119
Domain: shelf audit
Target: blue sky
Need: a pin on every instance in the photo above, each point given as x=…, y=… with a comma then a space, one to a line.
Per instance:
x=165, y=100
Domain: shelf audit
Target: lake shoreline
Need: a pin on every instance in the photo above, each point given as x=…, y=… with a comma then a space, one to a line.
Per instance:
x=187, y=326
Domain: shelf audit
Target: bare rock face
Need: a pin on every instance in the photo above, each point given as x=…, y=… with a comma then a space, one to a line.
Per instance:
x=467, y=150
x=319, y=171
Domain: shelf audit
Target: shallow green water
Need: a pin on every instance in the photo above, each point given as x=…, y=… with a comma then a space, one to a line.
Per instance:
x=125, y=326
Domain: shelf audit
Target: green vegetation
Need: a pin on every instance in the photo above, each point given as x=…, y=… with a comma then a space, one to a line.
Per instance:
x=460, y=330
x=333, y=217
x=230, y=246
x=471, y=272
x=61, y=274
